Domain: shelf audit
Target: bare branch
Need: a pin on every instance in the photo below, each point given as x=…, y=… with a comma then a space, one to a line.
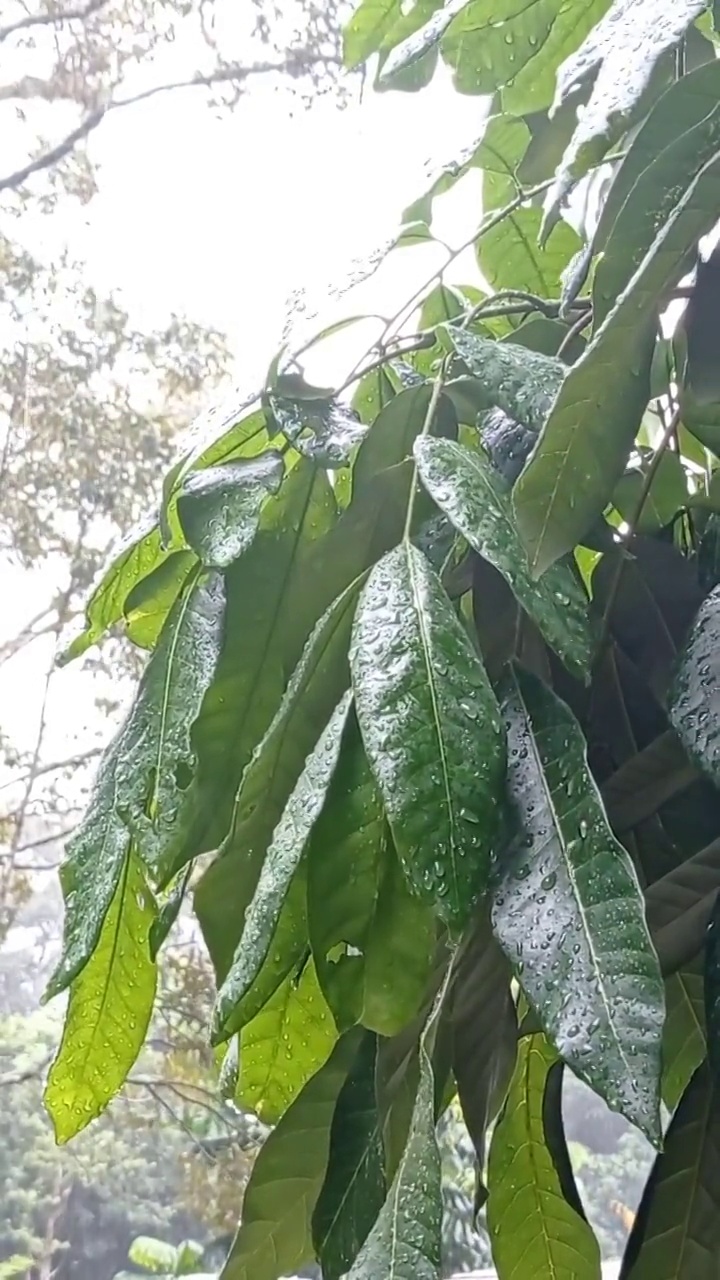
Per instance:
x=51, y=19
x=30, y=1073
x=55, y=766
x=55, y=154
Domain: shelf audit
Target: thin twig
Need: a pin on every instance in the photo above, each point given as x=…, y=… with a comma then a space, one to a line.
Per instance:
x=51, y=19
x=574, y=331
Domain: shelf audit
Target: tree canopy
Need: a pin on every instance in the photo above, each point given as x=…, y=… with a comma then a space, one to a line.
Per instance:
x=429, y=717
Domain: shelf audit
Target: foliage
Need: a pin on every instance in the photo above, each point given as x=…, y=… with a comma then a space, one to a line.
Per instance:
x=454, y=745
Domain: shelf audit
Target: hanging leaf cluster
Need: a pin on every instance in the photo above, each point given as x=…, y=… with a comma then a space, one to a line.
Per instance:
x=431, y=711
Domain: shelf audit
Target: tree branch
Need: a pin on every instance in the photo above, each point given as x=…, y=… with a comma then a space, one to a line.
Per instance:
x=51, y=19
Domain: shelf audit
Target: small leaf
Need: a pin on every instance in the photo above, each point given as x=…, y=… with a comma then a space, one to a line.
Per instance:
x=568, y=911
x=523, y=383
x=695, y=696
x=533, y=1229
x=677, y=1227
x=219, y=508
x=324, y=430
x=274, y=1233
x=282, y=1048
x=404, y=1244
x=431, y=730
x=465, y=486
x=354, y=1189
x=109, y=1010
x=281, y=862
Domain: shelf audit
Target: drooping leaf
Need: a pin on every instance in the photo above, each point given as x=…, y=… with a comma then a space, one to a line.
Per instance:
x=431, y=730
x=465, y=486
x=533, y=1230
x=371, y=938
x=219, y=508
x=274, y=1236
x=695, y=696
x=148, y=604
x=354, y=1189
x=568, y=911
x=284, y=1045
x=324, y=430
x=404, y=1243
x=555, y=1137
x=677, y=1228
x=523, y=383
x=684, y=1031
x=281, y=862
x=109, y=1009
x=140, y=790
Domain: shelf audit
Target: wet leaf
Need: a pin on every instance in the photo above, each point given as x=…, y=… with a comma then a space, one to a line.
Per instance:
x=150, y=601
x=523, y=383
x=371, y=938
x=404, y=1243
x=431, y=730
x=281, y=863
x=219, y=508
x=274, y=1234
x=695, y=696
x=354, y=1189
x=532, y=1228
x=466, y=487
x=569, y=913
x=324, y=430
x=109, y=1010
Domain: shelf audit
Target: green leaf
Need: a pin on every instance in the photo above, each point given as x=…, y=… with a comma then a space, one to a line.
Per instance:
x=509, y=256
x=494, y=44
x=149, y=602
x=639, y=788
x=364, y=33
x=568, y=911
x=431, y=730
x=711, y=990
x=371, y=938
x=404, y=1244
x=533, y=1230
x=684, y=1031
x=677, y=1228
x=679, y=906
x=274, y=1235
x=467, y=488
x=694, y=702
x=622, y=51
x=219, y=508
x=284, y=1045
x=281, y=862
x=219, y=435
x=319, y=682
x=140, y=790
x=354, y=1189
x=523, y=383
x=109, y=1010
x=668, y=493
x=416, y=46
x=324, y=430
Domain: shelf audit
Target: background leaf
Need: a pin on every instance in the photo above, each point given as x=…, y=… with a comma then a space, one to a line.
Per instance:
x=695, y=697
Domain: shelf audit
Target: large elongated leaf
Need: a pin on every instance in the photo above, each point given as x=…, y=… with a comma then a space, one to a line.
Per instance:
x=679, y=906
x=569, y=913
x=677, y=1228
x=523, y=383
x=354, y=1189
x=139, y=789
x=404, y=1244
x=372, y=939
x=684, y=1031
x=317, y=686
x=274, y=1236
x=695, y=697
x=533, y=1230
x=510, y=258
x=281, y=862
x=109, y=1010
x=431, y=730
x=466, y=487
x=219, y=508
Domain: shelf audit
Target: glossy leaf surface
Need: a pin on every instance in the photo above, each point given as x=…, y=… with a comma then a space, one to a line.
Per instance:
x=695, y=698
x=219, y=508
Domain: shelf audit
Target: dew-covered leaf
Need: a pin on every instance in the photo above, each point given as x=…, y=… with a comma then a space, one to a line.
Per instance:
x=371, y=937
x=695, y=696
x=325, y=430
x=533, y=1230
x=354, y=1189
x=523, y=383
x=274, y=1235
x=281, y=862
x=404, y=1243
x=569, y=913
x=219, y=508
x=466, y=487
x=431, y=729
x=109, y=1009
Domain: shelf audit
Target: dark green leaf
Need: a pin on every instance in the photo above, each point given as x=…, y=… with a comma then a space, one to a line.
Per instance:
x=568, y=911
x=522, y=383
x=646, y=782
x=555, y=1139
x=533, y=1230
x=286, y=848
x=274, y=1235
x=712, y=990
x=109, y=1009
x=141, y=787
x=404, y=1244
x=219, y=508
x=677, y=1228
x=684, y=1031
x=679, y=906
x=431, y=730
x=694, y=701
x=466, y=487
x=354, y=1189
x=371, y=938
x=668, y=493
